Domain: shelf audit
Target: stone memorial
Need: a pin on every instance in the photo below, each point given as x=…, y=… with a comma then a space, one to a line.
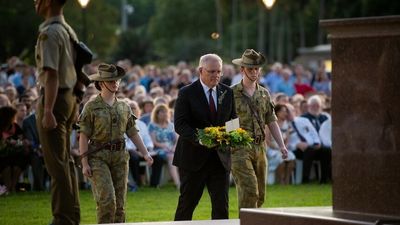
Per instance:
x=366, y=129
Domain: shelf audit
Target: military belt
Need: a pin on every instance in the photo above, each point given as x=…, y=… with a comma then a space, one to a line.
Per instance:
x=258, y=139
x=114, y=145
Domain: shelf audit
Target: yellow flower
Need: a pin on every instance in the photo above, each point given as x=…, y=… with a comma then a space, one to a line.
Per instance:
x=217, y=136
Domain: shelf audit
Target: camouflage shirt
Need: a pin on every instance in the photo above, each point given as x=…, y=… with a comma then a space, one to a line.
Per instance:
x=103, y=123
x=262, y=104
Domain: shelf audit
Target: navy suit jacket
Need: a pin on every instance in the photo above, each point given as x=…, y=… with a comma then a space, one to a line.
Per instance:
x=192, y=113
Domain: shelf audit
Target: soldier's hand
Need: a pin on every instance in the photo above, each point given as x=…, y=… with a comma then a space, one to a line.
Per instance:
x=284, y=152
x=49, y=120
x=148, y=159
x=86, y=170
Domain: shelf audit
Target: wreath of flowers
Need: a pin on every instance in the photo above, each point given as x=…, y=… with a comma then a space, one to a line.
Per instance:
x=218, y=137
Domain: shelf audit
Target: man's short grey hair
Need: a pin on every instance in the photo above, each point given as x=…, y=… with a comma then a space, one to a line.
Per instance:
x=314, y=99
x=208, y=57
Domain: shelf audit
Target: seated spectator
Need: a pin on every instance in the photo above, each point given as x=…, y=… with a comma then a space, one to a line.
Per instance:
x=36, y=157
x=321, y=82
x=303, y=108
x=286, y=85
x=4, y=101
x=295, y=101
x=229, y=71
x=302, y=82
x=27, y=99
x=146, y=107
x=282, y=168
x=162, y=133
x=22, y=112
x=317, y=117
x=14, y=152
x=25, y=80
x=183, y=78
x=11, y=93
x=273, y=78
x=304, y=143
x=281, y=98
x=136, y=156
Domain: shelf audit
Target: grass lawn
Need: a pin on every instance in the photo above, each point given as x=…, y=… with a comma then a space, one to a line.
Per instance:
x=150, y=204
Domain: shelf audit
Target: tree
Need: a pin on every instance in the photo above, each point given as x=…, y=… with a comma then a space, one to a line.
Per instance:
x=18, y=35
x=182, y=28
x=19, y=23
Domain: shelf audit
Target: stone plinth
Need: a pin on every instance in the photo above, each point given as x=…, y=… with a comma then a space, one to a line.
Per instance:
x=366, y=125
x=366, y=114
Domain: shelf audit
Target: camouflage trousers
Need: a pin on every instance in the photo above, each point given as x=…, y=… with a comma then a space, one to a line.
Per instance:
x=249, y=172
x=109, y=184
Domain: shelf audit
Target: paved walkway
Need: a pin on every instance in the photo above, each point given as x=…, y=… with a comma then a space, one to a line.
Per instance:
x=195, y=222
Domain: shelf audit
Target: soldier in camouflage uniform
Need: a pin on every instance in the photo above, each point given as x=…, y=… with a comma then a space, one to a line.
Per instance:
x=255, y=110
x=103, y=123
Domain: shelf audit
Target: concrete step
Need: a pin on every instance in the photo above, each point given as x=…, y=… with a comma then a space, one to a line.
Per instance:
x=195, y=222
x=308, y=216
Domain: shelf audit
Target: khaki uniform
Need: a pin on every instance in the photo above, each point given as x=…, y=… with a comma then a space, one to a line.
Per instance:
x=249, y=163
x=103, y=123
x=54, y=50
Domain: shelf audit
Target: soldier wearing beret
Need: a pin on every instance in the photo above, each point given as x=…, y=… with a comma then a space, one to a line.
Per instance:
x=255, y=110
x=103, y=123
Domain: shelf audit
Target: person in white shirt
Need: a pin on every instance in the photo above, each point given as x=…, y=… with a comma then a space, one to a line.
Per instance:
x=136, y=156
x=325, y=133
x=306, y=144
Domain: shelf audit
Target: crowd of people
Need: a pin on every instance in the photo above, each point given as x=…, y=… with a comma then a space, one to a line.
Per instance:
x=132, y=113
x=151, y=91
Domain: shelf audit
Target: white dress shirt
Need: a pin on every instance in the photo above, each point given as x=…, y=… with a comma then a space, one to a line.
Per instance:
x=307, y=130
x=325, y=133
x=206, y=92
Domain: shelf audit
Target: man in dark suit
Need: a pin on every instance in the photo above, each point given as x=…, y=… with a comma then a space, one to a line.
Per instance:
x=201, y=104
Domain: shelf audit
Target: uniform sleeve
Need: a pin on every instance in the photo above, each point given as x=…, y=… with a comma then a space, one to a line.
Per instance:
x=49, y=46
x=270, y=115
x=130, y=126
x=86, y=121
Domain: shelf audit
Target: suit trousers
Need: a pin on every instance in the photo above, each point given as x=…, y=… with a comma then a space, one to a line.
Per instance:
x=58, y=160
x=212, y=175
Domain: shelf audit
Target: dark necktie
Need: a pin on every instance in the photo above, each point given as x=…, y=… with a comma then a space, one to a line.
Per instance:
x=213, y=111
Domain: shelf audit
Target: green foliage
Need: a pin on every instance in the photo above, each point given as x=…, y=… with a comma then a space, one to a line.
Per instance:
x=183, y=28
x=19, y=22
x=149, y=204
x=179, y=29
x=134, y=45
x=19, y=25
x=101, y=25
